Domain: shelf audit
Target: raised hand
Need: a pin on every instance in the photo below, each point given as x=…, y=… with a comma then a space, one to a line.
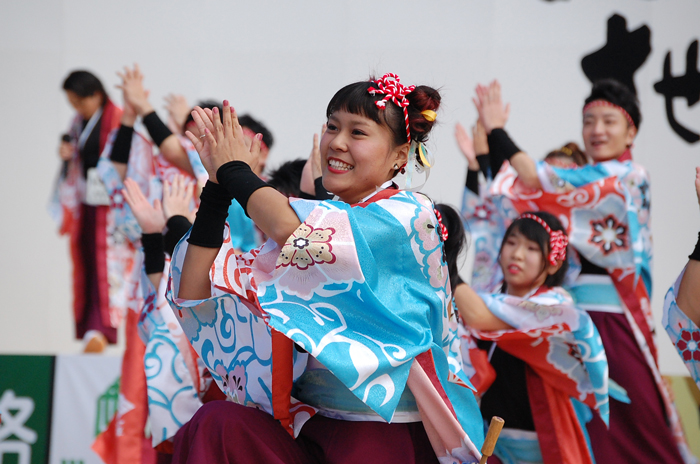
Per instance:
x=150, y=218
x=222, y=142
x=312, y=168
x=129, y=114
x=481, y=144
x=492, y=113
x=134, y=93
x=466, y=146
x=316, y=169
x=178, y=110
x=177, y=197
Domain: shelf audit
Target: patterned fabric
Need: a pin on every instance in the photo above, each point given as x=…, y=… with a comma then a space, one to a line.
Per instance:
x=567, y=351
x=172, y=375
x=125, y=262
x=362, y=289
x=486, y=222
x=605, y=208
x=684, y=334
x=560, y=343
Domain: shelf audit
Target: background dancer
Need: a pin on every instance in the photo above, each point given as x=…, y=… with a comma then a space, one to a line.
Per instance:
x=534, y=382
x=612, y=238
x=682, y=308
x=81, y=206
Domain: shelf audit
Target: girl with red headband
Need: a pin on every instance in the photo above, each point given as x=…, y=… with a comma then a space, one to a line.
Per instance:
x=328, y=339
x=605, y=206
x=528, y=349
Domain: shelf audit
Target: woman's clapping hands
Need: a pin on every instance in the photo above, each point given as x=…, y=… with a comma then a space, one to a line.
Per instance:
x=222, y=141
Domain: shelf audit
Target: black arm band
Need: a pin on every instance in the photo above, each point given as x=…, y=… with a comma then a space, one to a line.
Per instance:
x=473, y=181
x=122, y=145
x=156, y=128
x=695, y=255
x=208, y=227
x=240, y=181
x=484, y=164
x=175, y=229
x=153, y=253
x=500, y=145
x=321, y=192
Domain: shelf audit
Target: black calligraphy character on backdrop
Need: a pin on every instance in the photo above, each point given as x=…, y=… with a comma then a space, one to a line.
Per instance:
x=686, y=86
x=623, y=54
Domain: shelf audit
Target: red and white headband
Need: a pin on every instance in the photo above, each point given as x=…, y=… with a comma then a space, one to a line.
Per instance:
x=595, y=103
x=390, y=86
x=558, y=241
x=250, y=133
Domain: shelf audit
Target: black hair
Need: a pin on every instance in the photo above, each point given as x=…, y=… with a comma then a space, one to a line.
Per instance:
x=286, y=179
x=532, y=230
x=456, y=241
x=356, y=99
x=85, y=84
x=258, y=127
x=210, y=104
x=618, y=94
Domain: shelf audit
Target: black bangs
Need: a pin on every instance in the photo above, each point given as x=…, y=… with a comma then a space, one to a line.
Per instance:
x=532, y=230
x=356, y=99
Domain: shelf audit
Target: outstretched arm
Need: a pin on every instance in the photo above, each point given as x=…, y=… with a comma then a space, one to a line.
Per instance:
x=689, y=290
x=493, y=114
x=474, y=311
x=137, y=97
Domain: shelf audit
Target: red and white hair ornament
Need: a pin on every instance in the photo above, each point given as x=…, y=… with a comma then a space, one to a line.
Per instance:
x=443, y=229
x=391, y=87
x=624, y=112
x=558, y=241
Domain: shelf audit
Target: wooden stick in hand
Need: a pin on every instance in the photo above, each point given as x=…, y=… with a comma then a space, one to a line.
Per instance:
x=491, y=437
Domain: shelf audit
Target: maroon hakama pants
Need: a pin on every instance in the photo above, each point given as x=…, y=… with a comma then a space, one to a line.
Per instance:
x=225, y=432
x=639, y=431
x=93, y=304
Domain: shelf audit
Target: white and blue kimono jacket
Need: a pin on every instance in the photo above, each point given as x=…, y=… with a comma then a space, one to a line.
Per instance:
x=362, y=289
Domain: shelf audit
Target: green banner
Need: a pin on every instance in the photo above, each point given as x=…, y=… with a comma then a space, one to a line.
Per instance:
x=26, y=384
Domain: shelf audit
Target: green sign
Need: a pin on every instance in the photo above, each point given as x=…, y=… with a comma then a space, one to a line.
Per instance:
x=26, y=384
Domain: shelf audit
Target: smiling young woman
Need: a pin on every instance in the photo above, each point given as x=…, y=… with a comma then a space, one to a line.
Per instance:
x=332, y=330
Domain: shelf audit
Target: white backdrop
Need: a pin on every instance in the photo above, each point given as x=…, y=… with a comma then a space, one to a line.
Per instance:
x=282, y=61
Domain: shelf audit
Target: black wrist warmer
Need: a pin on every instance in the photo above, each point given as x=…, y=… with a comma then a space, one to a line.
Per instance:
x=321, y=192
x=240, y=181
x=153, y=253
x=695, y=255
x=208, y=227
x=484, y=164
x=175, y=229
x=473, y=181
x=156, y=128
x=122, y=145
x=501, y=145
